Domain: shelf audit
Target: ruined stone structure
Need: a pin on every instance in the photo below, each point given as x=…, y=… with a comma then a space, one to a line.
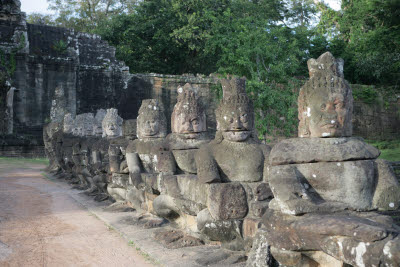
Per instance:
x=310, y=201
x=76, y=63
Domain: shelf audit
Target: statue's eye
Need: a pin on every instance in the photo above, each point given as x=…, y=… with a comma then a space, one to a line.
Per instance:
x=230, y=120
x=323, y=107
x=243, y=118
x=195, y=122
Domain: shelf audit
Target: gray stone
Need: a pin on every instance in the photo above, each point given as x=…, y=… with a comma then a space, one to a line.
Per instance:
x=260, y=255
x=173, y=239
x=227, y=201
x=224, y=231
x=307, y=150
x=348, y=237
x=68, y=123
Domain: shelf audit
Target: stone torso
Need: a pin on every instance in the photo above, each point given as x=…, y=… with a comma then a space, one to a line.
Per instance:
x=184, y=151
x=335, y=169
x=239, y=161
x=147, y=151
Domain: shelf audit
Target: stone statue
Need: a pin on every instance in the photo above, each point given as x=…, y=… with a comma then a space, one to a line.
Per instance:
x=144, y=155
x=232, y=167
x=189, y=129
x=98, y=122
x=189, y=132
x=51, y=136
x=329, y=178
x=112, y=124
x=83, y=126
x=58, y=105
x=235, y=154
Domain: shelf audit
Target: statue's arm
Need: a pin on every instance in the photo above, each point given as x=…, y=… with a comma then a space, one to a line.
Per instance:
x=207, y=168
x=133, y=162
x=291, y=196
x=387, y=190
x=165, y=162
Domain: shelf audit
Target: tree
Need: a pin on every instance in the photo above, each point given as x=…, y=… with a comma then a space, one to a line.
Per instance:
x=86, y=15
x=366, y=34
x=40, y=19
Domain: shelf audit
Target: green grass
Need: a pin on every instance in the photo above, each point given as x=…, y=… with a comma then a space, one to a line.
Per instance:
x=24, y=160
x=390, y=150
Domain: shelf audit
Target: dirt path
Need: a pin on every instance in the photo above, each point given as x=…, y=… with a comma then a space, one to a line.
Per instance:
x=41, y=225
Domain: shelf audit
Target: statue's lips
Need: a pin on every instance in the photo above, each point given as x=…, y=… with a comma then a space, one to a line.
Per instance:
x=330, y=126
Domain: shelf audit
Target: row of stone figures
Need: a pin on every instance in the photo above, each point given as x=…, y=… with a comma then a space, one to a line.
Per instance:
x=313, y=200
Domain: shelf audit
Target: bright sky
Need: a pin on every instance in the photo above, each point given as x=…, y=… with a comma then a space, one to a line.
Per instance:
x=40, y=6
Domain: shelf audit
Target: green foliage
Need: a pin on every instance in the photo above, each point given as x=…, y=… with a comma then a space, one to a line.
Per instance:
x=367, y=94
x=60, y=47
x=390, y=150
x=85, y=15
x=40, y=19
x=21, y=161
x=7, y=60
x=366, y=34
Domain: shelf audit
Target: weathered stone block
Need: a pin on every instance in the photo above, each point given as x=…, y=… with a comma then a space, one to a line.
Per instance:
x=227, y=201
x=192, y=189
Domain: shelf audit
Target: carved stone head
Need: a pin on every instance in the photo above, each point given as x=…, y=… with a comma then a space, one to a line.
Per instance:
x=188, y=117
x=235, y=114
x=129, y=129
x=151, y=122
x=98, y=120
x=83, y=124
x=325, y=102
x=69, y=123
x=112, y=124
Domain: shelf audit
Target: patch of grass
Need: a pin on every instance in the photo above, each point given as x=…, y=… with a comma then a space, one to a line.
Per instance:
x=24, y=160
x=390, y=150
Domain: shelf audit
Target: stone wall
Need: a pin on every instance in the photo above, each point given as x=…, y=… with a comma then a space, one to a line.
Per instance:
x=85, y=67
x=378, y=118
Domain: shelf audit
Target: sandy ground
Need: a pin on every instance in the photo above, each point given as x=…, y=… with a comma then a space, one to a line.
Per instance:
x=41, y=225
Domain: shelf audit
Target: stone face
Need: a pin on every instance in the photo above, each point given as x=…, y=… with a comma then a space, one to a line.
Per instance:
x=188, y=118
x=112, y=124
x=151, y=122
x=325, y=101
x=235, y=114
x=83, y=125
x=227, y=201
x=98, y=120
